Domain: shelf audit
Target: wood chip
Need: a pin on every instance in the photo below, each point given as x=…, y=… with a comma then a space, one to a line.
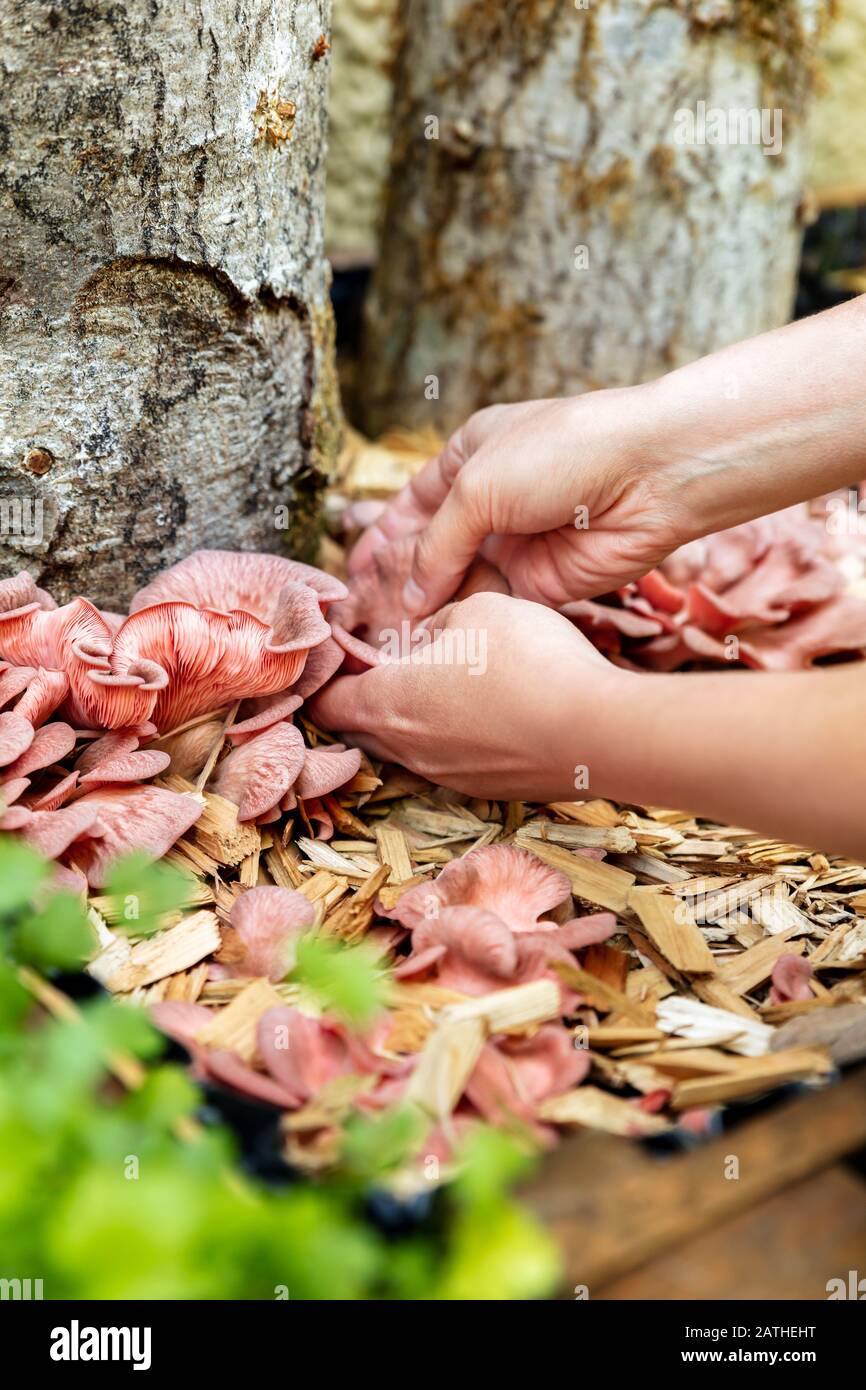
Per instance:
x=616, y=838
x=444, y=1066
x=669, y=923
x=597, y=1109
x=687, y=1018
x=754, y=1076
x=221, y=835
x=591, y=879
x=511, y=1010
x=751, y=967
x=394, y=853
x=353, y=915
x=235, y=1026
x=600, y=995
x=166, y=953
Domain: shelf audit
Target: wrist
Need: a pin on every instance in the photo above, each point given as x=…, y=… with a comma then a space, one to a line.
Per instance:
x=595, y=714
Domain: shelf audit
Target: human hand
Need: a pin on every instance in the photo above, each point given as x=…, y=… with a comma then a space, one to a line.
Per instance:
x=505, y=701
x=564, y=497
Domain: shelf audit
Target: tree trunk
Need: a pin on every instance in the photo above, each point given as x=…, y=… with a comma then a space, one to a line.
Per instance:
x=166, y=361
x=546, y=232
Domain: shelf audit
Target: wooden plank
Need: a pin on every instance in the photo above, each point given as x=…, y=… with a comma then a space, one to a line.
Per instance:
x=612, y=1206
x=760, y=1254
x=590, y=879
x=670, y=925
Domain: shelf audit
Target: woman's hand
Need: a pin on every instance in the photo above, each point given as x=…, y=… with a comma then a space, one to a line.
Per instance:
x=507, y=700
x=572, y=498
x=561, y=495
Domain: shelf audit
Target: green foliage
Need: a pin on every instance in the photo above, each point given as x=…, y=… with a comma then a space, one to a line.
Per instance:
x=101, y=1198
x=143, y=892
x=346, y=979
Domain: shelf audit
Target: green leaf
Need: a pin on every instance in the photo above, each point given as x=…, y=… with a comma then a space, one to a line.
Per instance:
x=59, y=936
x=21, y=873
x=373, y=1145
x=489, y=1163
x=347, y=979
x=499, y=1252
x=144, y=892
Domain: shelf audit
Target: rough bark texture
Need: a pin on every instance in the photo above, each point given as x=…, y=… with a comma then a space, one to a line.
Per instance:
x=556, y=131
x=359, y=129
x=166, y=372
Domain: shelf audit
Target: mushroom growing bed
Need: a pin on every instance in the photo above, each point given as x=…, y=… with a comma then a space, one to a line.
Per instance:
x=631, y=969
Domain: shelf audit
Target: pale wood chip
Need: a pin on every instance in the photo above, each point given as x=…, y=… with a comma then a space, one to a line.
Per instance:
x=166, y=953
x=445, y=1064
x=234, y=1027
x=754, y=1076
x=221, y=835
x=705, y=1025
x=394, y=853
x=670, y=925
x=591, y=879
x=513, y=1010
x=616, y=838
x=597, y=1109
x=752, y=967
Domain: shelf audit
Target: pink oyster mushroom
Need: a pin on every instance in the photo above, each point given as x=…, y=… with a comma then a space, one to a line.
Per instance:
x=264, y=924
x=479, y=925
x=791, y=980
x=776, y=584
x=217, y=627
x=298, y=1055
x=514, y=1075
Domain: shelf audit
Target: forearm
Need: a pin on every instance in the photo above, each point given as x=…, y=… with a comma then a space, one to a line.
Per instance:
x=783, y=754
x=765, y=423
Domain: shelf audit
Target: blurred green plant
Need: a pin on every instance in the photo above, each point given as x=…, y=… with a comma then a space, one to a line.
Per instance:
x=100, y=1198
x=348, y=980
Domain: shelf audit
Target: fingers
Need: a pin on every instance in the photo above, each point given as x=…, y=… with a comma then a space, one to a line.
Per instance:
x=349, y=706
x=447, y=546
x=414, y=505
x=345, y=704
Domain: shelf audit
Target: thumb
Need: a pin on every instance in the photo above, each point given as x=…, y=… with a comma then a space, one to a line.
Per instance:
x=447, y=546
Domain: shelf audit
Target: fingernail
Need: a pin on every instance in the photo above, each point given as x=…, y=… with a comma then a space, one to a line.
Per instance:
x=414, y=597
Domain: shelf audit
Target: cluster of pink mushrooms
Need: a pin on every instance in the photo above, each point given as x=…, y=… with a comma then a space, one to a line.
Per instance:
x=203, y=679
x=482, y=925
x=775, y=594
x=98, y=705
